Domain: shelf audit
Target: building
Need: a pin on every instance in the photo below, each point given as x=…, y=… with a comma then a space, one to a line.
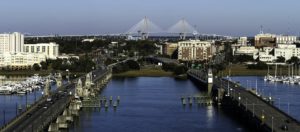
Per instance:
x=195, y=50
x=11, y=43
x=243, y=41
x=269, y=54
x=284, y=39
x=169, y=48
x=49, y=50
x=287, y=51
x=245, y=50
x=18, y=61
x=265, y=40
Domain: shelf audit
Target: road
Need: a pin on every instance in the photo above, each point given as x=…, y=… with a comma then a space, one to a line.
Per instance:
x=270, y=115
x=45, y=111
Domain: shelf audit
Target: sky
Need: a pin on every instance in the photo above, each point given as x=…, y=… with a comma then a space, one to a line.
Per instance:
x=80, y=17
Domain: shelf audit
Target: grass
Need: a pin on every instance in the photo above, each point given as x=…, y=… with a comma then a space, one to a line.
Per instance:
x=145, y=73
x=241, y=70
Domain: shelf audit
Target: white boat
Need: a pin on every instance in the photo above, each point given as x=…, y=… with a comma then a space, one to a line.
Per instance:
x=6, y=89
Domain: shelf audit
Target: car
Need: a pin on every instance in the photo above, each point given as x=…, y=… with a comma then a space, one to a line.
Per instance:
x=49, y=99
x=39, y=105
x=28, y=114
x=284, y=127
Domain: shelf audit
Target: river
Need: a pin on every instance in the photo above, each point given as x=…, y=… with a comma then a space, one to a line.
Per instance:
x=153, y=104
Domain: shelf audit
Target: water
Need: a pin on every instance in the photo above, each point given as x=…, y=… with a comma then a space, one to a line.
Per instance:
x=286, y=96
x=150, y=104
x=9, y=104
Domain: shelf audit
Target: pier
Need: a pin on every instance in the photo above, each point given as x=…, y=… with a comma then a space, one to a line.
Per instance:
x=261, y=114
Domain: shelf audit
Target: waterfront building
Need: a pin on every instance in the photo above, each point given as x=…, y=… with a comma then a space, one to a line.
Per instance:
x=11, y=43
x=284, y=39
x=195, y=50
x=287, y=51
x=18, y=61
x=270, y=54
x=49, y=50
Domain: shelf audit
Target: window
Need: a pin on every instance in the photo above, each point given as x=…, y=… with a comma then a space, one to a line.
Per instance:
x=43, y=49
x=32, y=49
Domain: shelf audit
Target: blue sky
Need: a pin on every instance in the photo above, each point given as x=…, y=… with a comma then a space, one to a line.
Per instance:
x=224, y=17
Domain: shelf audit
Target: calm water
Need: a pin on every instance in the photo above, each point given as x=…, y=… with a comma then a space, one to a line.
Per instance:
x=153, y=105
x=9, y=104
x=286, y=96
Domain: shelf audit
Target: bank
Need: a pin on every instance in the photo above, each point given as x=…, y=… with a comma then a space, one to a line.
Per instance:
x=242, y=70
x=145, y=73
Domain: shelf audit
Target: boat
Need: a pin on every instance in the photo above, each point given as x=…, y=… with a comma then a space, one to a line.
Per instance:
x=6, y=89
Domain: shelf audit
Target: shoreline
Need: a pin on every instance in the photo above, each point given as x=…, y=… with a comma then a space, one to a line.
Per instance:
x=145, y=73
x=30, y=73
x=242, y=70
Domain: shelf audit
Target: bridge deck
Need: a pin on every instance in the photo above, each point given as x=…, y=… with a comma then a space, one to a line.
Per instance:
x=268, y=114
x=40, y=117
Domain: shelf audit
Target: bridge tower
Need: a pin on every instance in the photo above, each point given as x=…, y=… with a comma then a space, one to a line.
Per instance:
x=59, y=80
x=143, y=28
x=88, y=80
x=209, y=80
x=182, y=28
x=78, y=89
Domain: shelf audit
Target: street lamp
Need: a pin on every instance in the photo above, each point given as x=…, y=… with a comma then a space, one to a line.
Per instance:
x=246, y=104
x=67, y=70
x=239, y=99
x=253, y=112
x=279, y=103
x=272, y=123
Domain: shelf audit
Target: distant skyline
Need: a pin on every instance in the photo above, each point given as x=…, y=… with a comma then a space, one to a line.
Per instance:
x=79, y=17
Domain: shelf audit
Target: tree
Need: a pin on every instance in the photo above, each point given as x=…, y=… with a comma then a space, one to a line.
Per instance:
x=293, y=60
x=181, y=69
x=133, y=64
x=280, y=59
x=36, y=67
x=44, y=65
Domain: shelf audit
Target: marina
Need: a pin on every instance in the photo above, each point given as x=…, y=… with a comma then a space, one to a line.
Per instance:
x=23, y=86
x=292, y=77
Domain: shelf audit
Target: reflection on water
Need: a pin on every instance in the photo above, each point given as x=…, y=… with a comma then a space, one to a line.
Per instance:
x=153, y=104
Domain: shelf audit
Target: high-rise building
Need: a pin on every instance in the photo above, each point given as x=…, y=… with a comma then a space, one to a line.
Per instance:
x=11, y=43
x=195, y=50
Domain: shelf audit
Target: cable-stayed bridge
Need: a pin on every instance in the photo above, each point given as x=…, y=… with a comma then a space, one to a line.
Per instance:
x=144, y=27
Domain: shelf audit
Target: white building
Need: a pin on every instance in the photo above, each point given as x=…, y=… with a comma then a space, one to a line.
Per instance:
x=11, y=43
x=242, y=41
x=195, y=50
x=282, y=50
x=283, y=39
x=49, y=50
x=287, y=51
x=264, y=55
x=20, y=60
x=245, y=50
